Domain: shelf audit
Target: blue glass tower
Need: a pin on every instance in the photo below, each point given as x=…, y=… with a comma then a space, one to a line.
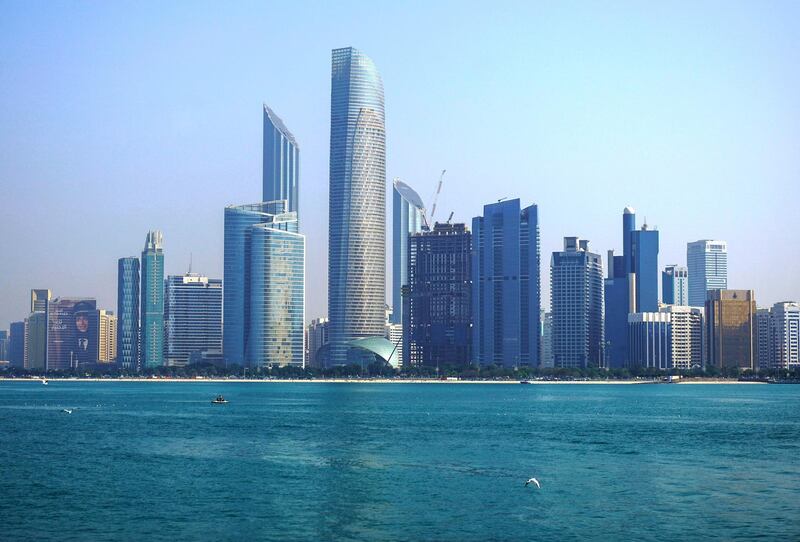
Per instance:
x=644, y=248
x=408, y=216
x=620, y=295
x=152, y=301
x=16, y=353
x=357, y=206
x=505, y=285
x=128, y=313
x=281, y=173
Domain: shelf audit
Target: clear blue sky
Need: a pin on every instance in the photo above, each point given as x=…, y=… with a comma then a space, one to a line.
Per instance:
x=120, y=117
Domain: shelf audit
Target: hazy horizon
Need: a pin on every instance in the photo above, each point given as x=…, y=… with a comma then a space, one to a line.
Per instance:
x=119, y=118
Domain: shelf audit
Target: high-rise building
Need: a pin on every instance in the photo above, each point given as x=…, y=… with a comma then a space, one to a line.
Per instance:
x=4, y=345
x=281, y=162
x=675, y=285
x=394, y=334
x=39, y=300
x=547, y=339
x=264, y=294
x=786, y=335
x=408, y=218
x=576, y=293
x=687, y=336
x=16, y=350
x=620, y=295
x=438, y=307
x=505, y=285
x=35, y=351
x=317, y=334
x=72, y=333
x=128, y=313
x=357, y=213
x=707, y=261
x=107, y=336
x=193, y=317
x=764, y=343
x=152, y=301
x=668, y=339
x=644, y=247
x=730, y=328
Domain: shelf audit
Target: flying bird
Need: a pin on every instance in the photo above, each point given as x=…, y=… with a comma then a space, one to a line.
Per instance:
x=533, y=481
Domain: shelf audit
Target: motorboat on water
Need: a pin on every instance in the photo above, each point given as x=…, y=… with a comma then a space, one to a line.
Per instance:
x=218, y=400
x=44, y=381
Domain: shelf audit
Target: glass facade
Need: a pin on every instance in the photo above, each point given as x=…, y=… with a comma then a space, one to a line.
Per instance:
x=152, y=301
x=357, y=206
x=407, y=219
x=437, y=319
x=35, y=355
x=576, y=294
x=505, y=285
x=620, y=296
x=16, y=347
x=675, y=285
x=128, y=313
x=707, y=261
x=644, y=245
x=650, y=340
x=281, y=169
x=785, y=335
x=193, y=315
x=731, y=329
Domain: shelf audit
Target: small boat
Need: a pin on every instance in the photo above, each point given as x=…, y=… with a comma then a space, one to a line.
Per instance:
x=218, y=400
x=524, y=381
x=67, y=410
x=44, y=381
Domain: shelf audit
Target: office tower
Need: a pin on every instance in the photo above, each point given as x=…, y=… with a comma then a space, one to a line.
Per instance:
x=620, y=295
x=4, y=345
x=708, y=269
x=152, y=301
x=107, y=336
x=264, y=294
x=505, y=285
x=36, y=341
x=438, y=307
x=16, y=351
x=128, y=313
x=193, y=317
x=675, y=285
x=72, y=333
x=547, y=339
x=39, y=300
x=394, y=334
x=764, y=343
x=687, y=336
x=408, y=218
x=644, y=247
x=281, y=162
x=730, y=328
x=650, y=340
x=317, y=333
x=786, y=335
x=576, y=294
x=357, y=213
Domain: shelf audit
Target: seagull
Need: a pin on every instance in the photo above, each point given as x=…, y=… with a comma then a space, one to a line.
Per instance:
x=67, y=410
x=533, y=481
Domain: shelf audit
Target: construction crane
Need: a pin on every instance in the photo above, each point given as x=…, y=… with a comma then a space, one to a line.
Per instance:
x=449, y=218
x=436, y=197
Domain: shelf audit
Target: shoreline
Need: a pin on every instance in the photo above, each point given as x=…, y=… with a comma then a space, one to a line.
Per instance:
x=376, y=381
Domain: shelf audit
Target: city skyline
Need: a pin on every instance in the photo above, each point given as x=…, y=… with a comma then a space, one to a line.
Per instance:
x=421, y=145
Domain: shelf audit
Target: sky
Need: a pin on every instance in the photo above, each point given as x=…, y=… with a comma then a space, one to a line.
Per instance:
x=121, y=117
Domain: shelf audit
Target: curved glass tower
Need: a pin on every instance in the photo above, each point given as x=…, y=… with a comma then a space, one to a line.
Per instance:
x=152, y=301
x=128, y=313
x=281, y=162
x=357, y=231
x=407, y=219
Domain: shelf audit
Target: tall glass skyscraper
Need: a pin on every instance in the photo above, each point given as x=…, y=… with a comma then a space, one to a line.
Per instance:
x=675, y=285
x=707, y=261
x=152, y=301
x=576, y=299
x=505, y=285
x=357, y=209
x=620, y=294
x=281, y=162
x=644, y=249
x=407, y=219
x=128, y=313
x=264, y=294
x=193, y=317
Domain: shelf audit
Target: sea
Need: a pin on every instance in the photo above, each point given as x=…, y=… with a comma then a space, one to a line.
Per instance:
x=151, y=461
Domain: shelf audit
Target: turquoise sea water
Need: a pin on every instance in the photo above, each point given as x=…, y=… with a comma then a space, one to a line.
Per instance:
x=313, y=461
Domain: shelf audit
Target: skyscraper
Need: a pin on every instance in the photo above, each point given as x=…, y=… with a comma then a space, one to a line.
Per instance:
x=505, y=285
x=72, y=333
x=668, y=339
x=16, y=353
x=39, y=300
x=620, y=294
x=357, y=229
x=106, y=336
x=786, y=335
x=707, y=261
x=128, y=313
x=731, y=329
x=576, y=293
x=408, y=216
x=644, y=247
x=193, y=317
x=281, y=170
x=675, y=285
x=152, y=301
x=317, y=339
x=437, y=319
x=764, y=342
x=264, y=294
x=35, y=352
